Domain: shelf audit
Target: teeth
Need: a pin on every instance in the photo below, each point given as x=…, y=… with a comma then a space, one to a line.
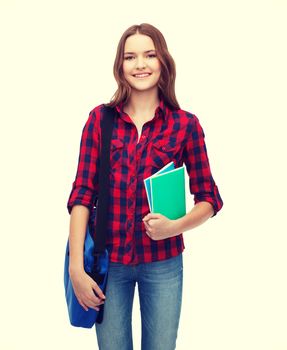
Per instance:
x=141, y=75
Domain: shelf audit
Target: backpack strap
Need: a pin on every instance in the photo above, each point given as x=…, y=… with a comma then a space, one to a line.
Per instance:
x=100, y=232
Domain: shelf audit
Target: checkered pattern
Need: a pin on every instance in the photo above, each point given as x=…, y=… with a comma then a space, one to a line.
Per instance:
x=171, y=135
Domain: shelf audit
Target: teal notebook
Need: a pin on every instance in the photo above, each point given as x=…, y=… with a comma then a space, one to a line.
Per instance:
x=147, y=182
x=166, y=192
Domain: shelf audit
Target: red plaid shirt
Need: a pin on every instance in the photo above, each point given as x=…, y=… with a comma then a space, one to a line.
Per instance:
x=171, y=135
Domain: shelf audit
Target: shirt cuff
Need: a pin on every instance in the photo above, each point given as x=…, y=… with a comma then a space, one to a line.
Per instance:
x=216, y=203
x=80, y=195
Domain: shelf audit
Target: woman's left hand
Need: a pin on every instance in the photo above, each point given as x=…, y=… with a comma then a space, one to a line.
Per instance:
x=159, y=226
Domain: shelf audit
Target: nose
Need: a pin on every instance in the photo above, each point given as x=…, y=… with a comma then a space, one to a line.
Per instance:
x=140, y=62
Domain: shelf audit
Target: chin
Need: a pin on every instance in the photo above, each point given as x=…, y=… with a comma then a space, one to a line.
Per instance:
x=143, y=88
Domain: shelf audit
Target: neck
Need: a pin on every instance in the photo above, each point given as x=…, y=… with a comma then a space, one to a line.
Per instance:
x=142, y=102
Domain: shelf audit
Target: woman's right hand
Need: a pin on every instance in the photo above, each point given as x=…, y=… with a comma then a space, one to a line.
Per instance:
x=85, y=288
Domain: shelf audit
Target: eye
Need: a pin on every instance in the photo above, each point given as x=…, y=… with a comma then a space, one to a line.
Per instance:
x=150, y=55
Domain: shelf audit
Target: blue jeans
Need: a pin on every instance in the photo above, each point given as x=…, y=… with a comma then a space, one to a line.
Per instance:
x=160, y=295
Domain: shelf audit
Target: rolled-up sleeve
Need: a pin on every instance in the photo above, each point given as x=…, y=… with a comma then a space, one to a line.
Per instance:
x=85, y=186
x=195, y=157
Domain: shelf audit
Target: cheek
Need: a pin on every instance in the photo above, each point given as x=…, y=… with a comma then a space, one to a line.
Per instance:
x=126, y=67
x=157, y=67
x=126, y=73
x=157, y=71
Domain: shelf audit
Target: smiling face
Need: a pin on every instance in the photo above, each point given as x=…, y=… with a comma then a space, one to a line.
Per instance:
x=140, y=57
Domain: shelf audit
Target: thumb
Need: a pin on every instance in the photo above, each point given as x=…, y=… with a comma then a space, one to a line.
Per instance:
x=151, y=216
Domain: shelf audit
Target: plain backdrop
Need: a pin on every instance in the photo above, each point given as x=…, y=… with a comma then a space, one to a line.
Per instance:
x=56, y=65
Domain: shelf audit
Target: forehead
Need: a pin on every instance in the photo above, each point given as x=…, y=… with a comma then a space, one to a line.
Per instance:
x=137, y=43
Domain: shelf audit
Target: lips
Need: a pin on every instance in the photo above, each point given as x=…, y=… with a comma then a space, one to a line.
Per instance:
x=141, y=75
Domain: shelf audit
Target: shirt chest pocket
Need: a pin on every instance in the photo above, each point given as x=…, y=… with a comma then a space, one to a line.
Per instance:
x=163, y=152
x=117, y=152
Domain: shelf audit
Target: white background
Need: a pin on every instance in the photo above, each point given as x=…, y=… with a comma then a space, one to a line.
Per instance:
x=56, y=65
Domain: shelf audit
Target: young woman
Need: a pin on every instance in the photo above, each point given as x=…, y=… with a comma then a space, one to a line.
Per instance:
x=150, y=131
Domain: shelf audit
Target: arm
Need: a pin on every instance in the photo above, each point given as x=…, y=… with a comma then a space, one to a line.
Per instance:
x=207, y=198
x=201, y=212
x=85, y=186
x=80, y=202
x=83, y=191
x=160, y=227
x=78, y=223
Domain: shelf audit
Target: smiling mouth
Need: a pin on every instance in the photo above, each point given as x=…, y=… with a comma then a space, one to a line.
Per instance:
x=141, y=76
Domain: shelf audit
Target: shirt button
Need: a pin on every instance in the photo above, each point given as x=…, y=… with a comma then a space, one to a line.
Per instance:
x=143, y=137
x=163, y=148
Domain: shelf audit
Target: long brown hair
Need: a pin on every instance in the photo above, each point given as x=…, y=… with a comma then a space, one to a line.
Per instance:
x=166, y=83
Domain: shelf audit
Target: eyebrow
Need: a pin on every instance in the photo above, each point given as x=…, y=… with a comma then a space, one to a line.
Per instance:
x=134, y=52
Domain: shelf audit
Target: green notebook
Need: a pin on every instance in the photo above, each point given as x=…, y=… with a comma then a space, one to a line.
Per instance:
x=167, y=193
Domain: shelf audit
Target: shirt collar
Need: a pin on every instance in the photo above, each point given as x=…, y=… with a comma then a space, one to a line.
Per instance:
x=161, y=109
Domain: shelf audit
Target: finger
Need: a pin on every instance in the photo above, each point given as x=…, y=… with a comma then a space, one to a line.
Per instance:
x=83, y=305
x=89, y=302
x=152, y=216
x=149, y=229
x=94, y=299
x=94, y=307
x=145, y=217
x=147, y=226
x=93, y=304
x=147, y=233
x=98, y=291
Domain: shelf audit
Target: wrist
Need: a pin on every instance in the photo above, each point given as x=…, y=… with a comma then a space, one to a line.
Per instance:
x=176, y=227
x=76, y=269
